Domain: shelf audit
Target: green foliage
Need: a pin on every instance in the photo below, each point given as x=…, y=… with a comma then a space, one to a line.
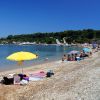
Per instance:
x=79, y=36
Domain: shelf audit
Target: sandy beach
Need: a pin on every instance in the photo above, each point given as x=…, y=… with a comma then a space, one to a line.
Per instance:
x=74, y=80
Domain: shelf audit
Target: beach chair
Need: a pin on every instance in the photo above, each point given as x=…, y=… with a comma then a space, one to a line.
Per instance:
x=17, y=79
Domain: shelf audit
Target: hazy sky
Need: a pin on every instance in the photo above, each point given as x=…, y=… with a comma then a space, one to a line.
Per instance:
x=30, y=16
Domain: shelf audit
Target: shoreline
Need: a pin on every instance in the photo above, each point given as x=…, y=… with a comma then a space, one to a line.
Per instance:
x=33, y=67
x=55, y=53
x=26, y=64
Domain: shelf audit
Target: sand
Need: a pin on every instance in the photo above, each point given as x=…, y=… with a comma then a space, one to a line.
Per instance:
x=71, y=81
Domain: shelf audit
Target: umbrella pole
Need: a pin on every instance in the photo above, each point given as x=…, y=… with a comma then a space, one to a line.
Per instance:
x=21, y=64
x=22, y=69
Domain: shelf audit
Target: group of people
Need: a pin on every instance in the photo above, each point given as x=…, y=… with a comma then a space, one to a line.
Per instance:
x=76, y=56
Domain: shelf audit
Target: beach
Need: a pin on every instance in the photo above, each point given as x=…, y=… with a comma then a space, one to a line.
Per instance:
x=72, y=80
x=49, y=50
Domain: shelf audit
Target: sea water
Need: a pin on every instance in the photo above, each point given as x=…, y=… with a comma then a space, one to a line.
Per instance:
x=45, y=52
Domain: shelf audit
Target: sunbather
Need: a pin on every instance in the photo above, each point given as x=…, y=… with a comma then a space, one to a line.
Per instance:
x=64, y=57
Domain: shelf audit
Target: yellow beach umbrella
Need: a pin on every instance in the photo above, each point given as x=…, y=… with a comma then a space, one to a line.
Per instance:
x=21, y=56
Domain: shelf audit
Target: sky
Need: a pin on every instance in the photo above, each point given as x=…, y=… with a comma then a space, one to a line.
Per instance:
x=32, y=16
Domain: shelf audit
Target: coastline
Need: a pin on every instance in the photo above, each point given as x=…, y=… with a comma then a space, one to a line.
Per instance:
x=72, y=80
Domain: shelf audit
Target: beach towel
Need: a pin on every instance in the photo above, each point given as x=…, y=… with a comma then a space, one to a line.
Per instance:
x=34, y=78
x=37, y=76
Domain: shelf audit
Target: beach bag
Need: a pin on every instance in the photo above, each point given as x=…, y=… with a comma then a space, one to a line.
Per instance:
x=49, y=73
x=23, y=82
x=7, y=81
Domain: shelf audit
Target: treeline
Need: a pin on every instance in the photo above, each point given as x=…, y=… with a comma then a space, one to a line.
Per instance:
x=71, y=36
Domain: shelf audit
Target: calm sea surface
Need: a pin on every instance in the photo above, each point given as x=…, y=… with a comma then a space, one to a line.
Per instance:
x=51, y=52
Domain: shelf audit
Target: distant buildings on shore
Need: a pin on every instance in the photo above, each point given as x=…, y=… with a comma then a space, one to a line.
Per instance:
x=58, y=43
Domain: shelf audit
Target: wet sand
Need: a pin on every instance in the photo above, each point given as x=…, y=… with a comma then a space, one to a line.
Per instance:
x=71, y=81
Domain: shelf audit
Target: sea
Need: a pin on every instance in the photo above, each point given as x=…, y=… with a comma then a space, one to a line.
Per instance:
x=44, y=52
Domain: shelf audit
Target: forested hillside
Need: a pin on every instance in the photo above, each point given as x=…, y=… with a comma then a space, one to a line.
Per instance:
x=71, y=36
